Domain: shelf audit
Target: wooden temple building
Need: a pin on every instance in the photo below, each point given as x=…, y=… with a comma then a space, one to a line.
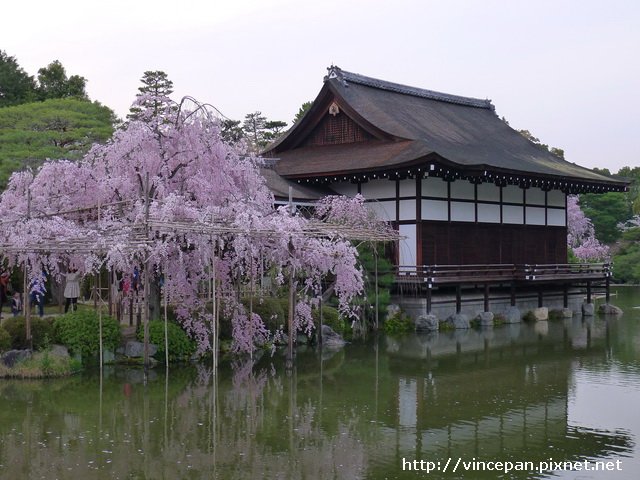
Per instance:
x=475, y=202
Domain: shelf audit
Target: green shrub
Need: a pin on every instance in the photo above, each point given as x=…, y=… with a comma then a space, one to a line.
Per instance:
x=398, y=324
x=272, y=311
x=41, y=332
x=181, y=347
x=5, y=339
x=79, y=331
x=330, y=317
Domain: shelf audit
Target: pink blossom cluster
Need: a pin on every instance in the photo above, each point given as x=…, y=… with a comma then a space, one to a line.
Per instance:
x=173, y=168
x=581, y=234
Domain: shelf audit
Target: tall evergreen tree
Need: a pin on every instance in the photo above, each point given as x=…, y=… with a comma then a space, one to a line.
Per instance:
x=54, y=83
x=16, y=86
x=153, y=97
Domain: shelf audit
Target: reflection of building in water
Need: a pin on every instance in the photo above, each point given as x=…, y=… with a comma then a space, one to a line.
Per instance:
x=496, y=394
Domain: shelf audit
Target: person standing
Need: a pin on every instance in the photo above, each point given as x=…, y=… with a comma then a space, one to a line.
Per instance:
x=72, y=290
x=37, y=291
x=4, y=287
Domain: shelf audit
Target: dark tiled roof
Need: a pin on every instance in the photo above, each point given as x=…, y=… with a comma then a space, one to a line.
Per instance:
x=279, y=186
x=461, y=131
x=348, y=77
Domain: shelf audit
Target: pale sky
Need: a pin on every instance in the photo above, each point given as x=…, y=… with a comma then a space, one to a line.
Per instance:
x=568, y=71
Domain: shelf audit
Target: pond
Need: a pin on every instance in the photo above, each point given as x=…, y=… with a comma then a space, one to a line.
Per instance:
x=522, y=397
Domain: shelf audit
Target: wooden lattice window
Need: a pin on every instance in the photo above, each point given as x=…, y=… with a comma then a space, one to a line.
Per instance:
x=337, y=129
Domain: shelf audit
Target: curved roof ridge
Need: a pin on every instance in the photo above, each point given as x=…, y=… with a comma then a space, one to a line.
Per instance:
x=345, y=77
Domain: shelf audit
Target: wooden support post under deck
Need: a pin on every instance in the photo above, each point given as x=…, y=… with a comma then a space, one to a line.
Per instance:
x=486, y=297
x=588, y=292
x=458, y=298
x=513, y=294
x=565, y=296
x=607, y=290
x=540, y=300
x=429, y=299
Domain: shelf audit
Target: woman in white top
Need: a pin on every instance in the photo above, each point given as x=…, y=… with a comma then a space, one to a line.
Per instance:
x=72, y=289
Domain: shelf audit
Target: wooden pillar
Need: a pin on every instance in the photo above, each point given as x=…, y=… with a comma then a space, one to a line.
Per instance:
x=428, y=299
x=565, y=296
x=607, y=290
x=486, y=297
x=458, y=298
x=540, y=300
x=588, y=291
x=513, y=294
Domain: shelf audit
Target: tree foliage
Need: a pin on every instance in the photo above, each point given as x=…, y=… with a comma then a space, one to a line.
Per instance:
x=54, y=83
x=558, y=152
x=154, y=96
x=16, y=86
x=581, y=235
x=55, y=128
x=171, y=165
x=606, y=211
x=304, y=108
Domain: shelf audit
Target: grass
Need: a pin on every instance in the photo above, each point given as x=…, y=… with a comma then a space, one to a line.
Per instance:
x=42, y=365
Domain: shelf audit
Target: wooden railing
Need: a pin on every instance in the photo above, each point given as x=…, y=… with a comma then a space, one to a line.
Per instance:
x=496, y=273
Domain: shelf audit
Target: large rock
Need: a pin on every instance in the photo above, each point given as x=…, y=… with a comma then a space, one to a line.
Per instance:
x=427, y=323
x=512, y=315
x=540, y=314
x=59, y=351
x=135, y=349
x=566, y=313
x=588, y=309
x=458, y=321
x=393, y=310
x=608, y=309
x=10, y=358
x=330, y=338
x=485, y=319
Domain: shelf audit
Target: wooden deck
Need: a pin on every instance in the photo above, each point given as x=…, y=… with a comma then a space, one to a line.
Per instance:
x=433, y=275
x=422, y=279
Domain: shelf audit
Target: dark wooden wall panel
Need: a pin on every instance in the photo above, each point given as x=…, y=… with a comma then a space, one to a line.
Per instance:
x=457, y=243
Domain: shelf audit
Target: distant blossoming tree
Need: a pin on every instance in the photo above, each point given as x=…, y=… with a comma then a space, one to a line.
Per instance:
x=168, y=165
x=581, y=234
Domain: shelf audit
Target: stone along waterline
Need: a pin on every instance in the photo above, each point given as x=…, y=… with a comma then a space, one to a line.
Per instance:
x=560, y=390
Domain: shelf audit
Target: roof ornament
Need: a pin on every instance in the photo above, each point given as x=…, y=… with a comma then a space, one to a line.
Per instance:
x=335, y=72
x=334, y=109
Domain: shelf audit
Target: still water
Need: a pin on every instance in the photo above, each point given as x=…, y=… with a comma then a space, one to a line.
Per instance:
x=558, y=391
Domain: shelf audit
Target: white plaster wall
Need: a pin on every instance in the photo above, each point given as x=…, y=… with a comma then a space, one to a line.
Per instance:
x=379, y=189
x=512, y=194
x=408, y=245
x=463, y=189
x=407, y=210
x=434, y=187
x=512, y=214
x=535, y=216
x=555, y=198
x=488, y=213
x=463, y=212
x=488, y=192
x=535, y=196
x=435, y=210
x=408, y=188
x=384, y=210
x=556, y=216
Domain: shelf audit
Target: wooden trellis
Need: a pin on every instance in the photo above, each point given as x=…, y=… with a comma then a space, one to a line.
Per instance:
x=135, y=239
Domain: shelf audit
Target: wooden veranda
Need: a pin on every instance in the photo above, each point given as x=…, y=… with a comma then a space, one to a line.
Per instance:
x=422, y=279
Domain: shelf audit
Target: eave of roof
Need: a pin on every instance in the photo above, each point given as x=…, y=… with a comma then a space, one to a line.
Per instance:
x=412, y=123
